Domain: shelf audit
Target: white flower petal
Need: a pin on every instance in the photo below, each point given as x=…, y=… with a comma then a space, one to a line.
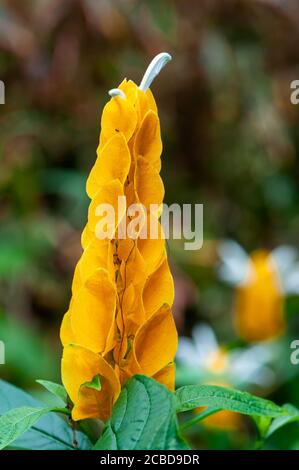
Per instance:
x=234, y=269
x=284, y=257
x=291, y=280
x=205, y=341
x=187, y=353
x=251, y=365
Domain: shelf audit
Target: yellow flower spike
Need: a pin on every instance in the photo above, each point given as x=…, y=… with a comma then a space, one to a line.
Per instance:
x=133, y=268
x=152, y=251
x=132, y=305
x=166, y=376
x=119, y=322
x=79, y=366
x=77, y=279
x=95, y=256
x=118, y=116
x=259, y=300
x=66, y=331
x=107, y=195
x=150, y=100
x=130, y=90
x=145, y=102
x=148, y=183
x=141, y=97
x=86, y=237
x=148, y=142
x=92, y=312
x=158, y=289
x=142, y=101
x=113, y=163
x=155, y=344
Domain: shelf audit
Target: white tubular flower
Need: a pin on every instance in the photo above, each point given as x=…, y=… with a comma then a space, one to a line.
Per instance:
x=154, y=69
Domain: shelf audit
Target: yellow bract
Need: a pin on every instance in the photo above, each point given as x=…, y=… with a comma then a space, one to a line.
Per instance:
x=119, y=322
x=259, y=301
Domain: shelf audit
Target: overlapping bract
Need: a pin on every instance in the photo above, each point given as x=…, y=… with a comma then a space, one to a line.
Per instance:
x=119, y=322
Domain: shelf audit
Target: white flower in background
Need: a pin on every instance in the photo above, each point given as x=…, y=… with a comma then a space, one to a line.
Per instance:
x=262, y=281
x=235, y=267
x=203, y=358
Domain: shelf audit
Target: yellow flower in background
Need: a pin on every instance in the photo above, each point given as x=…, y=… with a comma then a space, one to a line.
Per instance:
x=217, y=363
x=119, y=321
x=223, y=420
x=259, y=313
x=262, y=281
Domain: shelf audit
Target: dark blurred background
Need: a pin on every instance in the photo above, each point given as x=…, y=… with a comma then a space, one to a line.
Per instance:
x=230, y=134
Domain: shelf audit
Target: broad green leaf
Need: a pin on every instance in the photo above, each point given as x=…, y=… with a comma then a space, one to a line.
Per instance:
x=143, y=418
x=199, y=417
x=16, y=422
x=194, y=396
x=291, y=417
x=51, y=432
x=56, y=389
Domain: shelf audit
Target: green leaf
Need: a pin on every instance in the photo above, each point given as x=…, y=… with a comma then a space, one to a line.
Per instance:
x=143, y=418
x=51, y=432
x=262, y=424
x=199, y=417
x=291, y=417
x=56, y=389
x=17, y=421
x=194, y=396
x=95, y=383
